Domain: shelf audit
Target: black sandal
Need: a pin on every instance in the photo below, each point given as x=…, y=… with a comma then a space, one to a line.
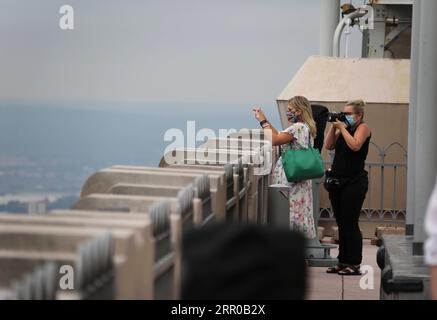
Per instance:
x=350, y=270
x=335, y=269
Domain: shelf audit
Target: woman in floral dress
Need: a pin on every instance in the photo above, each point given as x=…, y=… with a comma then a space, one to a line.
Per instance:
x=299, y=135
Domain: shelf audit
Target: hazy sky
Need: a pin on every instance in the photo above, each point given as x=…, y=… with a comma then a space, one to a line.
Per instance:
x=191, y=51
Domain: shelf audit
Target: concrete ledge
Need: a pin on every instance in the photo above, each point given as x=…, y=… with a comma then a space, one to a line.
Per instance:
x=404, y=276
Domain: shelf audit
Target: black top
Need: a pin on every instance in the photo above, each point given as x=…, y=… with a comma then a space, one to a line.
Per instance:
x=348, y=163
x=320, y=115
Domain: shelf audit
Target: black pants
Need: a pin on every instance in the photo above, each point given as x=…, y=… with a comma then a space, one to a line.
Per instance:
x=347, y=202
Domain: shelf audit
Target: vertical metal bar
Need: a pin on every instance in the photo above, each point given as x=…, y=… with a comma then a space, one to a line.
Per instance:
x=236, y=210
x=394, y=191
x=260, y=199
x=381, y=212
x=370, y=190
x=382, y=155
x=426, y=133
x=381, y=209
x=412, y=116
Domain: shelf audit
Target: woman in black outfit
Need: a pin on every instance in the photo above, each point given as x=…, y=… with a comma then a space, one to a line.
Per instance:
x=347, y=184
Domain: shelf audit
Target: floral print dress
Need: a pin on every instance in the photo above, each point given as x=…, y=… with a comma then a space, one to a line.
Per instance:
x=300, y=195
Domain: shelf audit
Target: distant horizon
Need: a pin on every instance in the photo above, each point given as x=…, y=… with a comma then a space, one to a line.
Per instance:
x=54, y=149
x=156, y=108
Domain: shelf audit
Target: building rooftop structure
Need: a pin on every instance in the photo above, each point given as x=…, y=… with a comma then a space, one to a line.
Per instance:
x=330, y=79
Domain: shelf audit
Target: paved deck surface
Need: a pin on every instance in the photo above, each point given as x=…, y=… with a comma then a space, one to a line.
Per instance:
x=324, y=286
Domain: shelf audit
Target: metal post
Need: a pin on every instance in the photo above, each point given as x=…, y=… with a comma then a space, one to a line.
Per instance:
x=329, y=16
x=316, y=202
x=412, y=109
x=426, y=129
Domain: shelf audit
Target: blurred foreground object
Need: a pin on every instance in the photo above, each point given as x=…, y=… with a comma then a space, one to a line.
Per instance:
x=229, y=261
x=431, y=242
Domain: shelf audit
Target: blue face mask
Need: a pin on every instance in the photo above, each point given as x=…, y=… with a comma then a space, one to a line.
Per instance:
x=292, y=117
x=350, y=120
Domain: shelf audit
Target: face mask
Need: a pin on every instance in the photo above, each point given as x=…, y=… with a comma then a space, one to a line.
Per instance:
x=350, y=120
x=292, y=117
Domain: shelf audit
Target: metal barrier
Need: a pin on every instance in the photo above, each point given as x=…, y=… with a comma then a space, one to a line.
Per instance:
x=135, y=181
x=225, y=197
x=163, y=249
x=141, y=229
x=159, y=251
x=260, y=137
x=39, y=283
x=182, y=205
x=233, y=198
x=88, y=252
x=203, y=208
x=179, y=211
x=237, y=208
x=255, y=141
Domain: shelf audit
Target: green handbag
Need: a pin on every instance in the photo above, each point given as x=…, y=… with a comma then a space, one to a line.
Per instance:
x=302, y=164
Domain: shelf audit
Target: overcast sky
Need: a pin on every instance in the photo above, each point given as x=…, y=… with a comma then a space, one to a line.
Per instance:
x=191, y=51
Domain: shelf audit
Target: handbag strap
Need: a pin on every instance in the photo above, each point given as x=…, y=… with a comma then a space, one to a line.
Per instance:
x=309, y=139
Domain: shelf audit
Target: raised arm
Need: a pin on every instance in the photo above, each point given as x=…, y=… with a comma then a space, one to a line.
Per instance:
x=331, y=138
x=356, y=141
x=278, y=138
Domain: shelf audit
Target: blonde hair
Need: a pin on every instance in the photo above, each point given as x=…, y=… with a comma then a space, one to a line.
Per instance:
x=303, y=105
x=358, y=106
